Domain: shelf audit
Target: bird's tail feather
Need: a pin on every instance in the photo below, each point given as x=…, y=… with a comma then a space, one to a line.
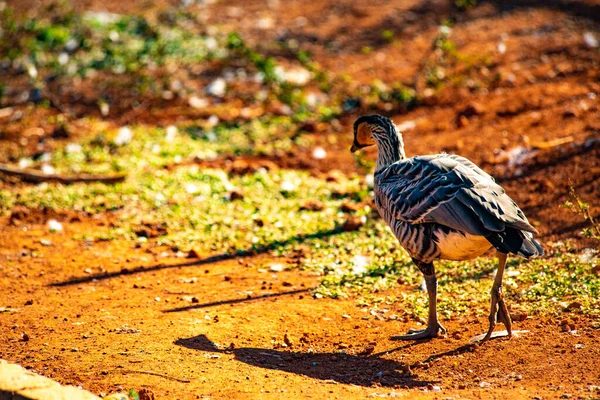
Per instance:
x=516, y=241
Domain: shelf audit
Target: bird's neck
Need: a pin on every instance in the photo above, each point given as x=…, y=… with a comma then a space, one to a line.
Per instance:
x=390, y=150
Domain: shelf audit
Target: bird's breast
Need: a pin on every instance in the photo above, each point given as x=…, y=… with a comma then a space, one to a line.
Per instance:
x=458, y=246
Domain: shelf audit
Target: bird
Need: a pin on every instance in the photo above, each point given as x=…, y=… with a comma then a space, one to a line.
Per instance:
x=444, y=207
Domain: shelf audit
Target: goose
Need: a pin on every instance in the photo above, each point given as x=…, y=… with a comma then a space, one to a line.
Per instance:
x=443, y=206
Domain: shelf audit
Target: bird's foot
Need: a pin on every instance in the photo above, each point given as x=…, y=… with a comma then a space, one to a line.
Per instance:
x=432, y=331
x=498, y=312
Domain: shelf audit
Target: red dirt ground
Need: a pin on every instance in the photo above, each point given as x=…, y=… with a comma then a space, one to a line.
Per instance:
x=77, y=331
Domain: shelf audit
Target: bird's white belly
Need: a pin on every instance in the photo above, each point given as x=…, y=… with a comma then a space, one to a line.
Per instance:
x=458, y=246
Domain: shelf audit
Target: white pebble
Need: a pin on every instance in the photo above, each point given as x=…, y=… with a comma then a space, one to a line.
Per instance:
x=197, y=102
x=217, y=88
x=501, y=48
x=288, y=186
x=48, y=169
x=124, y=136
x=171, y=133
x=319, y=153
x=191, y=188
x=73, y=148
x=54, y=226
x=360, y=265
x=590, y=40
x=63, y=58
x=276, y=267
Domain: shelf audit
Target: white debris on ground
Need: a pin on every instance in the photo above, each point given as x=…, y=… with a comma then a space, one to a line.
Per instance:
x=588, y=256
x=197, y=102
x=590, y=40
x=516, y=156
x=171, y=133
x=54, y=225
x=319, y=153
x=48, y=169
x=124, y=136
x=360, y=264
x=217, y=88
x=276, y=267
x=406, y=126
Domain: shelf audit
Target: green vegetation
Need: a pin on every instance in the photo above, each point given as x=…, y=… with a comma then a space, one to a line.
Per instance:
x=581, y=208
x=195, y=210
x=464, y=5
x=177, y=180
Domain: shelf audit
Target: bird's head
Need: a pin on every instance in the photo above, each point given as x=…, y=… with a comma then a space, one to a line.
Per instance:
x=372, y=129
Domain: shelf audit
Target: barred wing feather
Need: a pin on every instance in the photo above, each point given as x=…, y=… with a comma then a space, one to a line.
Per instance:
x=449, y=190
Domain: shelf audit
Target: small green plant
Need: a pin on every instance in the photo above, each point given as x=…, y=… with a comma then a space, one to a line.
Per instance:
x=388, y=35
x=464, y=5
x=579, y=207
x=133, y=395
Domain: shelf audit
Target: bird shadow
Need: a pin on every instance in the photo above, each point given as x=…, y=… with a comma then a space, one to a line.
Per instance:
x=361, y=370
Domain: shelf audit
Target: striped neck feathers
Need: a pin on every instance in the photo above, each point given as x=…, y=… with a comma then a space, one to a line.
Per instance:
x=390, y=145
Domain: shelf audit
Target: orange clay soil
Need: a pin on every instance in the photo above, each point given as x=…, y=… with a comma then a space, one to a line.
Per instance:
x=200, y=328
x=107, y=316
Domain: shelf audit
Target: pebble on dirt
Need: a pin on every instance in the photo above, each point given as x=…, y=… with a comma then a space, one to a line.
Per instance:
x=312, y=205
x=54, y=226
x=353, y=223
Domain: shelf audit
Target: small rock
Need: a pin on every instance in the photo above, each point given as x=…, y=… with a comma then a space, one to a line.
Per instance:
x=319, y=153
x=195, y=300
x=193, y=254
x=566, y=396
x=276, y=267
x=348, y=206
x=575, y=305
x=353, y=223
x=484, y=384
x=590, y=40
x=518, y=316
x=312, y=205
x=217, y=88
x=287, y=340
x=197, y=102
x=60, y=132
x=29, y=302
x=25, y=337
x=124, y=136
x=146, y=394
x=570, y=112
x=54, y=226
x=462, y=121
x=234, y=195
x=472, y=109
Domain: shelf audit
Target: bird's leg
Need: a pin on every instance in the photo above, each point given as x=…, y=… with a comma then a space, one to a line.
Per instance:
x=434, y=328
x=499, y=311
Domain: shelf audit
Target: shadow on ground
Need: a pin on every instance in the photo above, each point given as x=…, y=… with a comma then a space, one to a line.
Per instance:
x=203, y=261
x=362, y=370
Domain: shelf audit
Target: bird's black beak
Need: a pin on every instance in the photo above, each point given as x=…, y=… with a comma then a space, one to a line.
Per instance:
x=355, y=147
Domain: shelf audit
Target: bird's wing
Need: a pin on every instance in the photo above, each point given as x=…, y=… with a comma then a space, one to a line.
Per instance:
x=449, y=190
